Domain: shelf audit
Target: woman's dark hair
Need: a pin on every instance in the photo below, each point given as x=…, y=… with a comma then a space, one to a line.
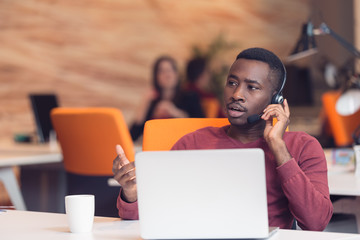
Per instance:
x=156, y=70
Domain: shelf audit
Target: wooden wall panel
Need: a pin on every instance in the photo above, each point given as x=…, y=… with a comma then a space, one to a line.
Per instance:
x=100, y=53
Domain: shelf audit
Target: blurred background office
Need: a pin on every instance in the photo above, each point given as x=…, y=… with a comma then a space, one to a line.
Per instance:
x=101, y=53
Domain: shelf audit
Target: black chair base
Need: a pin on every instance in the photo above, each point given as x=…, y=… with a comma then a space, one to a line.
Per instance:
x=105, y=196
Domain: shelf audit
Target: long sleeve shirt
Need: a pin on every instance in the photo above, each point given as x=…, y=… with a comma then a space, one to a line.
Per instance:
x=296, y=189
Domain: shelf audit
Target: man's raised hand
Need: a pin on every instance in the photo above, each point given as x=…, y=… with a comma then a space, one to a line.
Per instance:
x=124, y=174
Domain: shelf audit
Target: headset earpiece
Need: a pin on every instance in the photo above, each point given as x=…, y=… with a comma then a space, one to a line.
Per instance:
x=278, y=97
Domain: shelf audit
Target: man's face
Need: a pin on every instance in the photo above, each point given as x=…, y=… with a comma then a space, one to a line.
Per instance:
x=248, y=90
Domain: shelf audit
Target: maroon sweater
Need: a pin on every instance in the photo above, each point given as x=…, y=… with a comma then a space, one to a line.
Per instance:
x=296, y=189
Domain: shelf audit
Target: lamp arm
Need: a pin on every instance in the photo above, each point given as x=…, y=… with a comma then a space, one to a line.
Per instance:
x=324, y=29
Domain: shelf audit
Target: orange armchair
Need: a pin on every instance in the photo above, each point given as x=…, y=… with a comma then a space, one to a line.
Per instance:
x=162, y=134
x=341, y=127
x=88, y=137
x=211, y=107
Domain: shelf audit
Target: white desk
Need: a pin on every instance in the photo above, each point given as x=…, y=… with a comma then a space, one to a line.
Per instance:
x=346, y=184
x=341, y=178
x=12, y=154
x=37, y=225
x=343, y=182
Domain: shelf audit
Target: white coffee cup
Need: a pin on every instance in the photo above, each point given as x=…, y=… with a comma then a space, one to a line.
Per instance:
x=80, y=212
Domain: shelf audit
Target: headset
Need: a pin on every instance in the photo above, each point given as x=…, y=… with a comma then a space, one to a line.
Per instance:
x=278, y=97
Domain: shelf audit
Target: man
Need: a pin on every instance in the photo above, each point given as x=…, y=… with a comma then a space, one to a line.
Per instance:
x=296, y=171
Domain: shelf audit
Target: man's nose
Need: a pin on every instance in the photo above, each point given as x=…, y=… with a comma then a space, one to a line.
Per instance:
x=238, y=94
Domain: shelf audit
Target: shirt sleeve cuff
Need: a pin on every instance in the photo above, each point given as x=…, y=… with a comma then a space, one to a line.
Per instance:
x=127, y=210
x=288, y=170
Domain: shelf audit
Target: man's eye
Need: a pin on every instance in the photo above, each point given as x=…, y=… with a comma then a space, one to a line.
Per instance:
x=231, y=83
x=252, y=87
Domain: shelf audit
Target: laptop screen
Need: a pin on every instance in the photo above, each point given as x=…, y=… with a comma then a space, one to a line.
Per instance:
x=41, y=106
x=202, y=194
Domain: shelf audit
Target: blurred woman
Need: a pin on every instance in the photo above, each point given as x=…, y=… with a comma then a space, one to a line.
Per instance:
x=165, y=100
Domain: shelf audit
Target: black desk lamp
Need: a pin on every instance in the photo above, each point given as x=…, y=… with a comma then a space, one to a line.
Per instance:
x=306, y=45
x=349, y=101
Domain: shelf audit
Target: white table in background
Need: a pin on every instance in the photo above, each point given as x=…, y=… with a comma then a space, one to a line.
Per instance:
x=43, y=226
x=345, y=183
x=13, y=154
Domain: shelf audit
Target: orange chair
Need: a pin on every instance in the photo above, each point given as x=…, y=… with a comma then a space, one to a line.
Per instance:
x=87, y=138
x=211, y=107
x=341, y=127
x=162, y=134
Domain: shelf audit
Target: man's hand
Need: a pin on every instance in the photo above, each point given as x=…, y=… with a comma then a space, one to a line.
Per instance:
x=273, y=134
x=282, y=113
x=124, y=173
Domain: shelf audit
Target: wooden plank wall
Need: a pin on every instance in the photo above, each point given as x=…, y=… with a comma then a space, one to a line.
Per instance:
x=100, y=53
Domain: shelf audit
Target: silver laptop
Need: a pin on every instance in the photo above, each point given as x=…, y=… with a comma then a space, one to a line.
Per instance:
x=198, y=194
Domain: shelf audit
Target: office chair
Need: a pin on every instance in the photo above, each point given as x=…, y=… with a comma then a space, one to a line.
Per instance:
x=88, y=137
x=341, y=127
x=211, y=107
x=162, y=134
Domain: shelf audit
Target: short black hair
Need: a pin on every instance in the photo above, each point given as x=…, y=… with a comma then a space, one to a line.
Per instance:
x=195, y=68
x=266, y=56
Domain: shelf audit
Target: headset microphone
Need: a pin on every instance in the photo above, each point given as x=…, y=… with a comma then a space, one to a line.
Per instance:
x=254, y=118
